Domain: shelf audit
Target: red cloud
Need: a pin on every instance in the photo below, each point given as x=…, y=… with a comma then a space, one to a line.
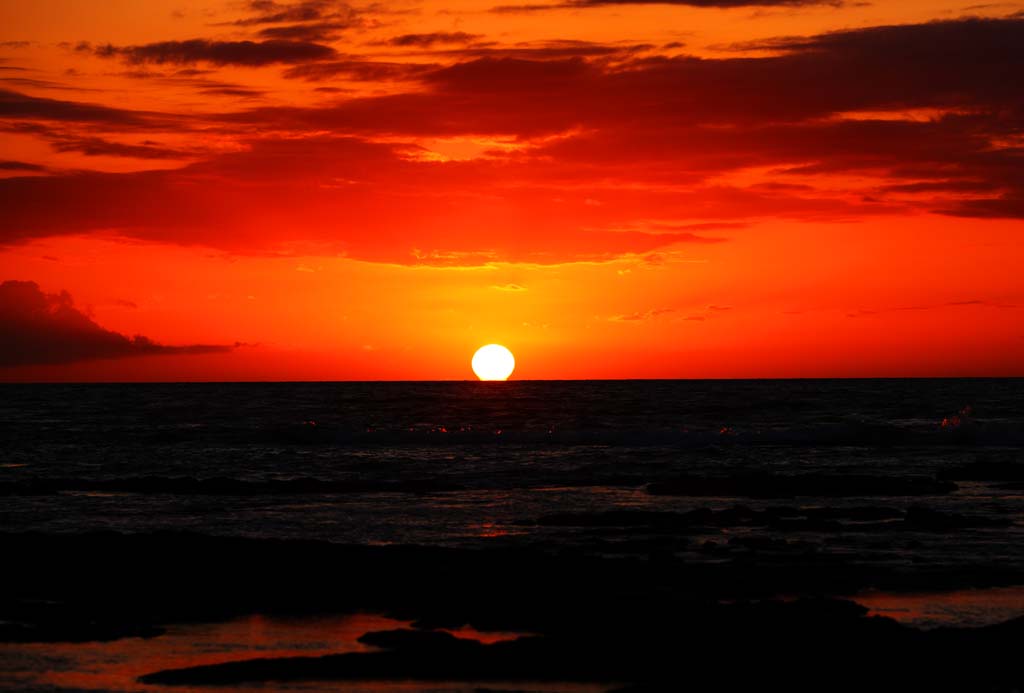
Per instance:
x=17, y=106
x=364, y=199
x=272, y=12
x=720, y=4
x=248, y=53
x=428, y=40
x=603, y=141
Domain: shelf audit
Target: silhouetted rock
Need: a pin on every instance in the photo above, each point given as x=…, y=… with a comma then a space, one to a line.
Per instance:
x=660, y=620
x=419, y=640
x=153, y=579
x=65, y=628
x=985, y=470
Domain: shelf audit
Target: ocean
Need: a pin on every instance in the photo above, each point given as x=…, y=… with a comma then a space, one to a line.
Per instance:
x=912, y=485
x=468, y=464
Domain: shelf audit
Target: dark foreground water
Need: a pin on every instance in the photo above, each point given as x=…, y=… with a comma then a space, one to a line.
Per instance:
x=469, y=464
x=920, y=481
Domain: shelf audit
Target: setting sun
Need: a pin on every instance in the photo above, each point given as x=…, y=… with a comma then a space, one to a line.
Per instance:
x=493, y=362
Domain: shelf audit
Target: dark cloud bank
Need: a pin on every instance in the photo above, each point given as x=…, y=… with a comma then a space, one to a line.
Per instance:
x=40, y=328
x=245, y=53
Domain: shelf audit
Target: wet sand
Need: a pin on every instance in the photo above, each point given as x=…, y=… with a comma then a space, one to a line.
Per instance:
x=970, y=608
x=117, y=665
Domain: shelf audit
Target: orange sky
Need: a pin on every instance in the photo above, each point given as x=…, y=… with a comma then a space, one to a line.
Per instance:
x=317, y=190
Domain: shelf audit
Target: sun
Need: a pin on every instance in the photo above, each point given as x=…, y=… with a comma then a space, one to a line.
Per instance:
x=493, y=362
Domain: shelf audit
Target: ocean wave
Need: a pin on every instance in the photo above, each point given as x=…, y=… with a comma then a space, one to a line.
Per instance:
x=762, y=485
x=220, y=486
x=847, y=433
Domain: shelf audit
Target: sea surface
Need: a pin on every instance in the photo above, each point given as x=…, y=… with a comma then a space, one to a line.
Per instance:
x=922, y=478
x=469, y=464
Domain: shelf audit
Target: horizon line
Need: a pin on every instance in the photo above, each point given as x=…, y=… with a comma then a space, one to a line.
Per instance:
x=511, y=380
